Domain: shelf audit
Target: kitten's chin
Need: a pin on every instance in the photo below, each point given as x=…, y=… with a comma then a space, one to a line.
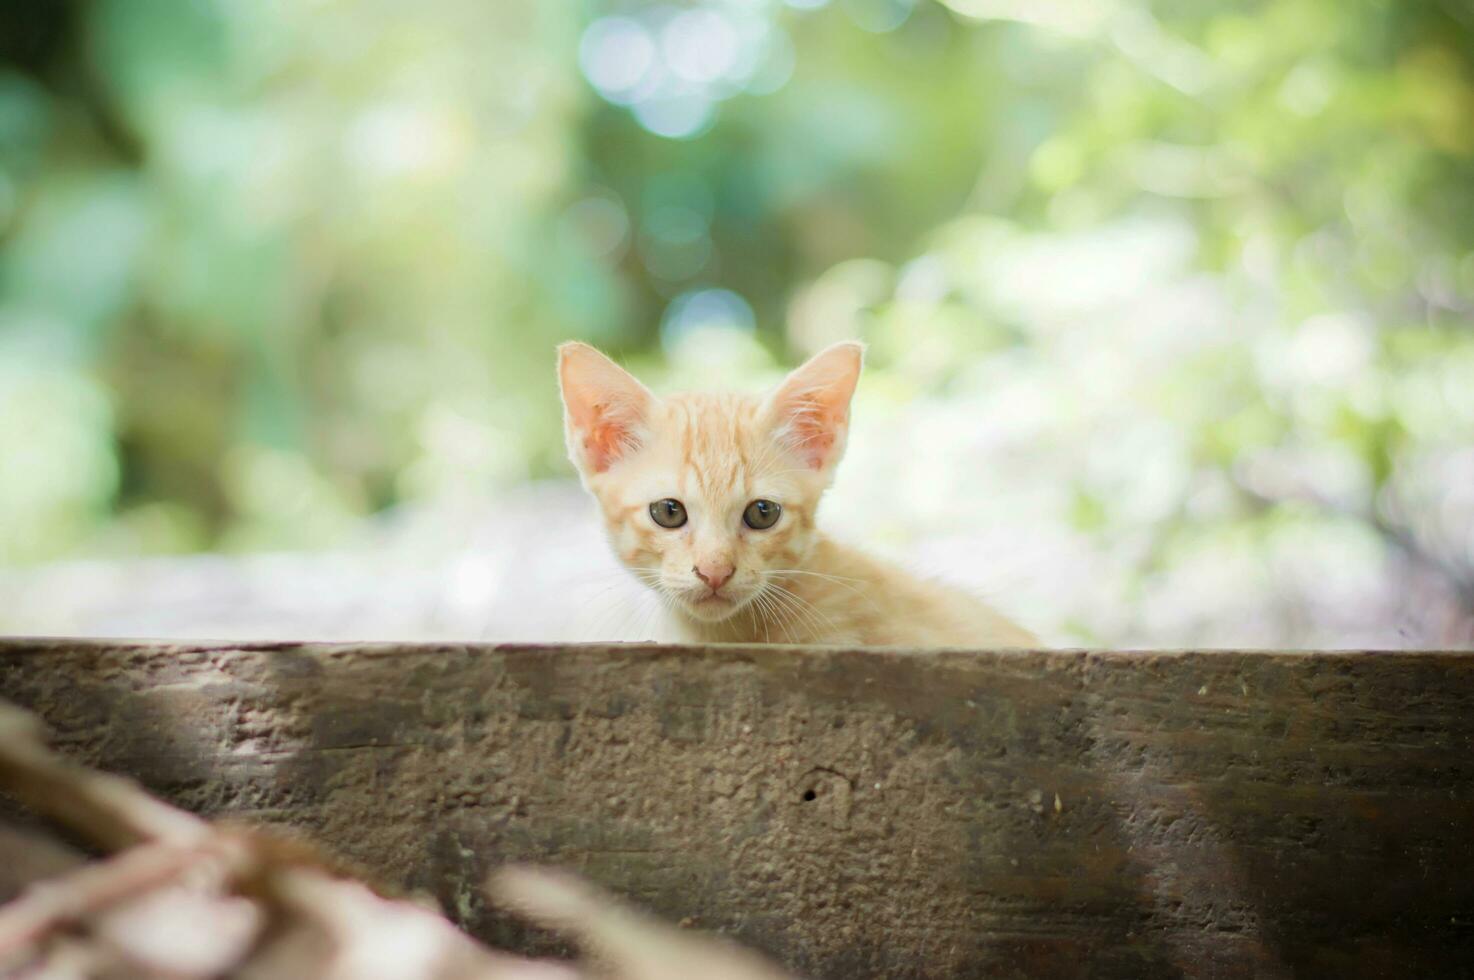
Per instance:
x=713, y=608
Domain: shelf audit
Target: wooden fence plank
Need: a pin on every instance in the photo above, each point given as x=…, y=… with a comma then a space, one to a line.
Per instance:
x=854, y=813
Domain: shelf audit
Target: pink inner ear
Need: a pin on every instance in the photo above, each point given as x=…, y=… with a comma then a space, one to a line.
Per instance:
x=812, y=407
x=814, y=430
x=605, y=437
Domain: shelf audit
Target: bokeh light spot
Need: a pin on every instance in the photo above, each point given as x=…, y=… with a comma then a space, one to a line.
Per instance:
x=705, y=309
x=699, y=45
x=681, y=116
x=616, y=54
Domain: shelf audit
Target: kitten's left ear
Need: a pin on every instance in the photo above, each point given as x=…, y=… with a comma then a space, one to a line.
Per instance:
x=605, y=410
x=810, y=410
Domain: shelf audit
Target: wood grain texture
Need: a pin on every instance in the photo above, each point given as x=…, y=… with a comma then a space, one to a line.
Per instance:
x=854, y=813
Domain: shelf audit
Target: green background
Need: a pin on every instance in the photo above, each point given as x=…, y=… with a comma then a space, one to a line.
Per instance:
x=1187, y=283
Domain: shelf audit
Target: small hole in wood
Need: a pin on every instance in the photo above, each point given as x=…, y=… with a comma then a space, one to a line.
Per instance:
x=810, y=796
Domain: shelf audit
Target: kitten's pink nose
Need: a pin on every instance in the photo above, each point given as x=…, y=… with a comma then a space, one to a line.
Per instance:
x=715, y=573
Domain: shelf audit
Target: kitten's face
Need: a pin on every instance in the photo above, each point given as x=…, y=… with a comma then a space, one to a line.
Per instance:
x=708, y=498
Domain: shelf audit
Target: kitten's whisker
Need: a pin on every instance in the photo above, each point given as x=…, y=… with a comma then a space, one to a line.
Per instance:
x=633, y=617
x=598, y=629
x=755, y=617
x=812, y=610
x=602, y=593
x=662, y=607
x=663, y=604
x=668, y=603
x=643, y=632
x=839, y=580
x=791, y=620
x=783, y=617
x=616, y=620
x=766, y=605
x=823, y=575
x=783, y=612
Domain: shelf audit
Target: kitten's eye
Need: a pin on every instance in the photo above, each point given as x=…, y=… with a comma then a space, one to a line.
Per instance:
x=762, y=514
x=668, y=513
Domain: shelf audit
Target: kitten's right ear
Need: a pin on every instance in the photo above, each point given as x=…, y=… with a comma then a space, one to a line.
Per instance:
x=605, y=410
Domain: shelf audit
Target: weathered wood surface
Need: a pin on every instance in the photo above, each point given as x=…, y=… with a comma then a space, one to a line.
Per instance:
x=855, y=813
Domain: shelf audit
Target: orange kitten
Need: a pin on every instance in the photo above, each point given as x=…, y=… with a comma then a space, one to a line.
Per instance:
x=710, y=499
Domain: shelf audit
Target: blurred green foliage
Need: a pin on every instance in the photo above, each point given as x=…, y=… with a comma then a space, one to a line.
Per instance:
x=269, y=267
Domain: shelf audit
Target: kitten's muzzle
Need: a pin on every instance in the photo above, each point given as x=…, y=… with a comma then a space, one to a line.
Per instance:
x=714, y=573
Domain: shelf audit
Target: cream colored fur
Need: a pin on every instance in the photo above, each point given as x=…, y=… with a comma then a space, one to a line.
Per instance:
x=716, y=454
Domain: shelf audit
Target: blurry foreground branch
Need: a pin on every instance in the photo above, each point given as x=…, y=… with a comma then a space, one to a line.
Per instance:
x=181, y=898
